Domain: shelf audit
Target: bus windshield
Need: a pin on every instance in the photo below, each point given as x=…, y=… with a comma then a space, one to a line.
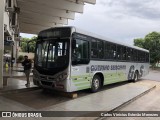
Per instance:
x=52, y=53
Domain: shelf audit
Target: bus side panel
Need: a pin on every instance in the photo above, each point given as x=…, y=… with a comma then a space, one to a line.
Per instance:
x=80, y=77
x=146, y=69
x=116, y=72
x=110, y=71
x=113, y=72
x=142, y=68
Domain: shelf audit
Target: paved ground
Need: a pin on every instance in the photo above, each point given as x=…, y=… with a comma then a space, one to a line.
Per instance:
x=148, y=102
x=16, y=78
x=154, y=75
x=107, y=99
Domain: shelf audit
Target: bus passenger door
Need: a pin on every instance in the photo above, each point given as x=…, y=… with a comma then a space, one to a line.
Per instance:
x=80, y=76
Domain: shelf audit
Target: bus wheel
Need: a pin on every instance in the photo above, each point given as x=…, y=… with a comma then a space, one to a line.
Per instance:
x=96, y=83
x=45, y=90
x=136, y=76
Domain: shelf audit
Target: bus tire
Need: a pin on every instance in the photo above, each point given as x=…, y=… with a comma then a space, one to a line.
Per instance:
x=96, y=83
x=45, y=90
x=136, y=76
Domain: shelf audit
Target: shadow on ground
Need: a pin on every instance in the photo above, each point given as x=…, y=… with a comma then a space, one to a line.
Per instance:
x=39, y=99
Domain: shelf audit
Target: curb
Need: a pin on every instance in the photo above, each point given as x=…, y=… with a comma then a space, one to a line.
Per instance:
x=18, y=90
x=128, y=102
x=96, y=113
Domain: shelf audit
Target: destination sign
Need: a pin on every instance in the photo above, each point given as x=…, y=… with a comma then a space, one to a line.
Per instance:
x=54, y=33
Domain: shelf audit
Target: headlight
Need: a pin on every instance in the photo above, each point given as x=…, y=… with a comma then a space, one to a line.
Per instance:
x=61, y=77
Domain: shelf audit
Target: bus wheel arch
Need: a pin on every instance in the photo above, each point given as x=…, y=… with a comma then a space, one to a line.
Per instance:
x=136, y=76
x=97, y=82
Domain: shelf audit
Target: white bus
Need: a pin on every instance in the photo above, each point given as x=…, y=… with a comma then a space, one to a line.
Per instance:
x=68, y=59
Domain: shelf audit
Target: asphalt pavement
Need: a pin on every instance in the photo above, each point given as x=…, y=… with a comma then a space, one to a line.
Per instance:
x=107, y=99
x=149, y=102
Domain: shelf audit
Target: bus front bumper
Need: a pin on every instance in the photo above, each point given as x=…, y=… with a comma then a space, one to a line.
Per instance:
x=48, y=84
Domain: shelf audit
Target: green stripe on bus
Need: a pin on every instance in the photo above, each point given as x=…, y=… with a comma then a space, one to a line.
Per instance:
x=119, y=78
x=83, y=87
x=77, y=76
x=111, y=81
x=80, y=78
x=114, y=80
x=83, y=80
x=75, y=81
x=82, y=84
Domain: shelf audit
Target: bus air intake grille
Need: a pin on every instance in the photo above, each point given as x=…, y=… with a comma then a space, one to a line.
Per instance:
x=46, y=83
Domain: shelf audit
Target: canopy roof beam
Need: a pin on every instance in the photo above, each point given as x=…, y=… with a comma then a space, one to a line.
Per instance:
x=44, y=20
x=57, y=4
x=44, y=10
x=36, y=15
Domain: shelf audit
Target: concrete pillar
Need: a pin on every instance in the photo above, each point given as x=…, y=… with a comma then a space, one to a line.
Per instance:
x=2, y=8
x=15, y=51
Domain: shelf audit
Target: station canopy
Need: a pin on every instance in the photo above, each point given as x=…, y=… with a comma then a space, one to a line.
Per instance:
x=36, y=15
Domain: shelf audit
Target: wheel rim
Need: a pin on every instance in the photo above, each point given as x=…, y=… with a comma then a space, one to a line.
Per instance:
x=96, y=83
x=136, y=77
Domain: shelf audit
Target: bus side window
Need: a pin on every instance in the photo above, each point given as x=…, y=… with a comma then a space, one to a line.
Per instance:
x=135, y=54
x=106, y=49
x=109, y=51
x=100, y=49
x=94, y=46
x=112, y=51
x=123, y=53
x=75, y=50
x=119, y=53
x=128, y=54
x=80, y=52
x=147, y=57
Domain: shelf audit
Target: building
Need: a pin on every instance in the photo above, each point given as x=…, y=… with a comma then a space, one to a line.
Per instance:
x=31, y=16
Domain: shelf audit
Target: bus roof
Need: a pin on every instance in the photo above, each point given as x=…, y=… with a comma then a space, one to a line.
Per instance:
x=106, y=39
x=77, y=30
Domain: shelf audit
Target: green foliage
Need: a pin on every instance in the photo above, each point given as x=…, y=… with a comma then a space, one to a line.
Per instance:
x=139, y=42
x=31, y=44
x=151, y=42
x=20, y=58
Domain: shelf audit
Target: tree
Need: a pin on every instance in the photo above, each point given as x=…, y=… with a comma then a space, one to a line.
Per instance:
x=139, y=42
x=20, y=58
x=24, y=44
x=31, y=45
x=151, y=42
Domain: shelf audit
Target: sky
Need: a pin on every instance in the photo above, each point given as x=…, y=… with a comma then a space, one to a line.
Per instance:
x=121, y=20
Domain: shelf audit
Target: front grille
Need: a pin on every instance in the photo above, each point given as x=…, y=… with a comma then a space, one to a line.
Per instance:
x=43, y=77
x=46, y=83
x=47, y=78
